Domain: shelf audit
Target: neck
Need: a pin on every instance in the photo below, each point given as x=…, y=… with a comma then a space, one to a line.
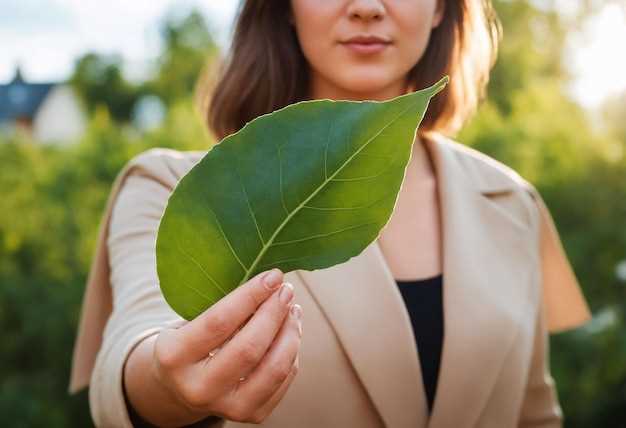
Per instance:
x=421, y=165
x=323, y=89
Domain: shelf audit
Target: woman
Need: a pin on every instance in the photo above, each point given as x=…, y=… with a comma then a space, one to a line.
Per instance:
x=440, y=322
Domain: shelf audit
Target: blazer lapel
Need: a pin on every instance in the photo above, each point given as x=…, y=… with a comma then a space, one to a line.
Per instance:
x=367, y=312
x=484, y=256
x=485, y=286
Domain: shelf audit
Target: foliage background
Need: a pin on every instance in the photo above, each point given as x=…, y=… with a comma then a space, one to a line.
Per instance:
x=53, y=197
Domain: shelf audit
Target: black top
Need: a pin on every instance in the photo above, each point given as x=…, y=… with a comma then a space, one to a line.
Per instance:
x=423, y=298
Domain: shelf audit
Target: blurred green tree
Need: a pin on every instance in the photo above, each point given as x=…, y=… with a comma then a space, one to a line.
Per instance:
x=188, y=48
x=98, y=79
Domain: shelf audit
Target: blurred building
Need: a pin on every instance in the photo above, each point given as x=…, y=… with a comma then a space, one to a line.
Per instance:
x=49, y=112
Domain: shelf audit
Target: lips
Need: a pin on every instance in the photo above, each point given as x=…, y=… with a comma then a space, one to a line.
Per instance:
x=366, y=39
x=366, y=44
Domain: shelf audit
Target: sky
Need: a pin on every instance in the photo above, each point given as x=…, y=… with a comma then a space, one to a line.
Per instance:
x=46, y=36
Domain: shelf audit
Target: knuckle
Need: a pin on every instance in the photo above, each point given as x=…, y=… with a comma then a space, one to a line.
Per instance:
x=219, y=325
x=279, y=372
x=194, y=394
x=253, y=297
x=167, y=352
x=239, y=413
x=249, y=353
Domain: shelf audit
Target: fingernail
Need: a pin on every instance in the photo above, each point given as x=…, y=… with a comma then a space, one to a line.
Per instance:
x=271, y=279
x=286, y=292
x=296, y=311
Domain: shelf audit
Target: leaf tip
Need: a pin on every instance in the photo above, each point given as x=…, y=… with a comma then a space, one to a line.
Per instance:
x=437, y=87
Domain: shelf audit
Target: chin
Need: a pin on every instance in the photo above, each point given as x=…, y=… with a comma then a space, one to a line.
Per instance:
x=365, y=83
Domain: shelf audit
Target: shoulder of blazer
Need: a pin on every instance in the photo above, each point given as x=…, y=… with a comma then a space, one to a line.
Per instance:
x=563, y=300
x=494, y=178
x=489, y=175
x=165, y=165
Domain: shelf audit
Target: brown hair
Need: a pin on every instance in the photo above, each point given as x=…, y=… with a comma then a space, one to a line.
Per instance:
x=265, y=68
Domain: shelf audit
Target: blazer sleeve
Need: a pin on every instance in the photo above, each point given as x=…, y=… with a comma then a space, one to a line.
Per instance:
x=562, y=306
x=562, y=298
x=540, y=407
x=138, y=307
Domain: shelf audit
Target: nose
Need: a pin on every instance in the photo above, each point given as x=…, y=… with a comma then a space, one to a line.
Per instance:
x=366, y=9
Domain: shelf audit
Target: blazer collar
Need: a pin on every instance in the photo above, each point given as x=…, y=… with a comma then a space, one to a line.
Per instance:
x=485, y=259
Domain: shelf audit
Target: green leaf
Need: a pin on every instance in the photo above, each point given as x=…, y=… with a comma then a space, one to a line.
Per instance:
x=305, y=187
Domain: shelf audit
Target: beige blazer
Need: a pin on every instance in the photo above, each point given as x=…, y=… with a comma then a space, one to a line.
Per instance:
x=506, y=283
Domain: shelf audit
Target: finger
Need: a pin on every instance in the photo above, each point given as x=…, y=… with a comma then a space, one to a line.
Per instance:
x=212, y=327
x=275, y=366
x=269, y=406
x=242, y=354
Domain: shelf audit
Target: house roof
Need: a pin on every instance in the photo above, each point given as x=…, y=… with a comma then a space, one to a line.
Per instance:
x=19, y=99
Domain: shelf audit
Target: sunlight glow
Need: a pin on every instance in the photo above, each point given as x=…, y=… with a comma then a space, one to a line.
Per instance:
x=597, y=56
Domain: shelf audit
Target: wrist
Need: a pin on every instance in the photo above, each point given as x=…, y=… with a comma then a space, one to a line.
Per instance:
x=150, y=395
